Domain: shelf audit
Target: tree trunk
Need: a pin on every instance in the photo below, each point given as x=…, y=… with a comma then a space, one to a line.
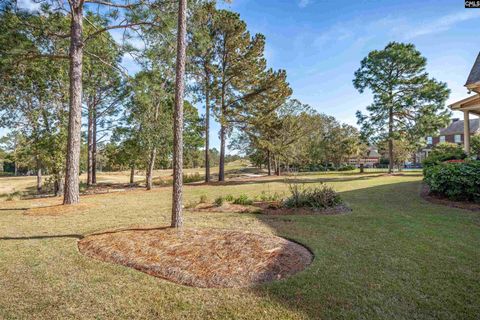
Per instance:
x=39, y=176
x=207, y=127
x=151, y=166
x=132, y=174
x=177, y=219
x=269, y=163
x=72, y=191
x=90, y=145
x=221, y=170
x=390, y=142
x=94, y=149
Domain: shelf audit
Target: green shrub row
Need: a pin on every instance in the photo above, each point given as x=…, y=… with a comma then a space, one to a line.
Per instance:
x=456, y=181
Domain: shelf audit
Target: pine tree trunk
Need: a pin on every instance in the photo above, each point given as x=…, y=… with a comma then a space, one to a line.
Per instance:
x=151, y=166
x=132, y=174
x=207, y=128
x=177, y=218
x=72, y=191
x=90, y=145
x=39, y=176
x=269, y=163
x=221, y=170
x=94, y=149
x=390, y=142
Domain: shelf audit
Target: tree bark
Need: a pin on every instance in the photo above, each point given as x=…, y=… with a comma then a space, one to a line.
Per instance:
x=207, y=126
x=90, y=145
x=151, y=166
x=72, y=190
x=221, y=170
x=390, y=141
x=177, y=218
x=94, y=149
x=269, y=163
x=39, y=176
x=132, y=174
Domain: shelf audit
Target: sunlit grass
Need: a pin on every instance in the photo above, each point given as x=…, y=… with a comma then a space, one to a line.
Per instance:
x=395, y=256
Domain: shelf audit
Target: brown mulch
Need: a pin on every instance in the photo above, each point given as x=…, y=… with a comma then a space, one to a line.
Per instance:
x=205, y=258
x=57, y=209
x=426, y=195
x=268, y=208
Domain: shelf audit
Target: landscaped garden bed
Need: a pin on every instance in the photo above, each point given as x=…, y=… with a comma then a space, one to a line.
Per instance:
x=205, y=258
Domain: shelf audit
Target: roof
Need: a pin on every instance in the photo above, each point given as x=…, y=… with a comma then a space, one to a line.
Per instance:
x=474, y=76
x=373, y=152
x=471, y=104
x=456, y=127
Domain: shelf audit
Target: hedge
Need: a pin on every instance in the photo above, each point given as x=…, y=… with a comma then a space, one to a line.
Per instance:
x=456, y=181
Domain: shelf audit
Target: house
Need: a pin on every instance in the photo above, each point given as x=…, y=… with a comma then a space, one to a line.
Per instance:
x=454, y=133
x=471, y=105
x=371, y=159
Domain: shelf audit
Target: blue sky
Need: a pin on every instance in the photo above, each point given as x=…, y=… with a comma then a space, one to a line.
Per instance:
x=321, y=42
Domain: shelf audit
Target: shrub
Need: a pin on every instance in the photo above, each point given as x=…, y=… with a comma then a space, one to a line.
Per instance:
x=243, y=200
x=269, y=197
x=456, y=181
x=196, y=177
x=475, y=145
x=443, y=152
x=219, y=201
x=229, y=198
x=203, y=198
x=320, y=197
x=346, y=168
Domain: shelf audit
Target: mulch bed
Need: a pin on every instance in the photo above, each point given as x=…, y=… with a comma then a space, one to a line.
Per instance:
x=268, y=208
x=57, y=209
x=425, y=194
x=205, y=258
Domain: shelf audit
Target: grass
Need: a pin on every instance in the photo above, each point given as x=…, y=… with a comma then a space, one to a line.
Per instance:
x=394, y=256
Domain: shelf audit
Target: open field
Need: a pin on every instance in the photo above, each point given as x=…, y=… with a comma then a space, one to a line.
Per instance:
x=394, y=256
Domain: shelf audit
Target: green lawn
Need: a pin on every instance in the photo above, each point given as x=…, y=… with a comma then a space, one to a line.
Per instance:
x=395, y=256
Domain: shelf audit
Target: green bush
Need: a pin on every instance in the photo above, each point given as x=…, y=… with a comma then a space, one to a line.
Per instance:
x=443, y=152
x=243, y=200
x=203, y=198
x=229, y=198
x=456, y=181
x=265, y=197
x=196, y=177
x=320, y=197
x=219, y=201
x=346, y=168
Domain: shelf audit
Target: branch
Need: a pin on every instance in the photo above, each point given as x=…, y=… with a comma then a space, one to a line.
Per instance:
x=115, y=5
x=124, y=26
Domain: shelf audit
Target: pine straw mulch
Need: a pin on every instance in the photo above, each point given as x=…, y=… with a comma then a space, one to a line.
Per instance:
x=426, y=195
x=205, y=258
x=57, y=209
x=268, y=208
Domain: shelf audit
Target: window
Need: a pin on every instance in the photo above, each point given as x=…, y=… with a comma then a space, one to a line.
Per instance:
x=442, y=139
x=429, y=140
x=458, y=138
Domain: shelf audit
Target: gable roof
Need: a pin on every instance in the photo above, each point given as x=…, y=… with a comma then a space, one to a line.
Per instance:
x=474, y=76
x=456, y=127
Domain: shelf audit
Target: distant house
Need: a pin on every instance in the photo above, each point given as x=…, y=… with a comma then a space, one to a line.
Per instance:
x=470, y=105
x=454, y=133
x=371, y=159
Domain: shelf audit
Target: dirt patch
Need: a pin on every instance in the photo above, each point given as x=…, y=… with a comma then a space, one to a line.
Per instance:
x=425, y=194
x=57, y=209
x=205, y=258
x=268, y=208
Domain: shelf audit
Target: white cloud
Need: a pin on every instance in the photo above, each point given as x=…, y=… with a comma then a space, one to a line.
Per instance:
x=304, y=3
x=441, y=24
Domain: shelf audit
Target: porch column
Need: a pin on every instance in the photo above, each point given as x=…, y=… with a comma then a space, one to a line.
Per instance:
x=466, y=131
